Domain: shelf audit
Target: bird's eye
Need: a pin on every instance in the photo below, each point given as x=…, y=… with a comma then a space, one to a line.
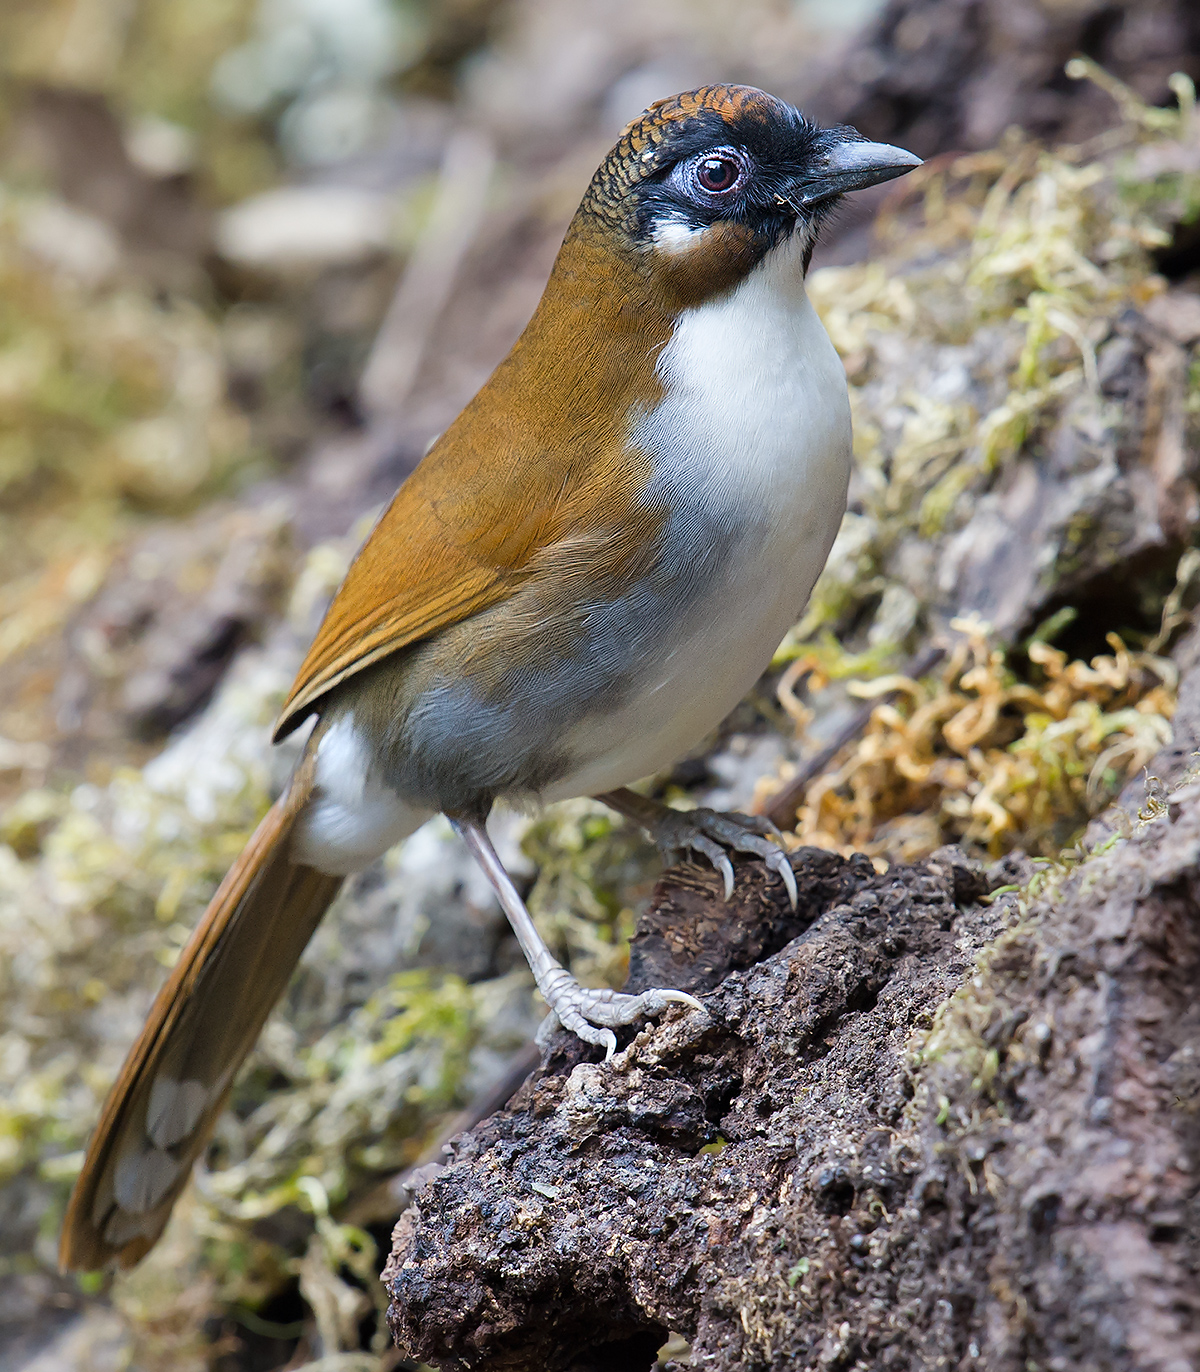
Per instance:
x=717, y=174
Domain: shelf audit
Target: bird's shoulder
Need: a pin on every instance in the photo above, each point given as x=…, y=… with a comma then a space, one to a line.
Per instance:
x=538, y=467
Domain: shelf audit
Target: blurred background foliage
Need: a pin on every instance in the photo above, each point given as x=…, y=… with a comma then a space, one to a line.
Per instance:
x=219, y=220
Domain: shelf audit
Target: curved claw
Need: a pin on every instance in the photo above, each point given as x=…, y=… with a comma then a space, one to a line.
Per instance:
x=616, y=1007
x=778, y=862
x=577, y=1025
x=716, y=855
x=775, y=858
x=592, y=1014
x=710, y=833
x=657, y=999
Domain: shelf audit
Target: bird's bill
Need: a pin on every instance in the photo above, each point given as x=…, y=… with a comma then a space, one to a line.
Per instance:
x=852, y=165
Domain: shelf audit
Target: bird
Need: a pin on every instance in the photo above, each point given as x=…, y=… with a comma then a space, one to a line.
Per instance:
x=581, y=578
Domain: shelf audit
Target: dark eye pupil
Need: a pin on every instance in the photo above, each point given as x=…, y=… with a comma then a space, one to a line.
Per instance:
x=717, y=173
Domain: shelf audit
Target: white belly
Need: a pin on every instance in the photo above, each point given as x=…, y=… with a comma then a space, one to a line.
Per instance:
x=755, y=422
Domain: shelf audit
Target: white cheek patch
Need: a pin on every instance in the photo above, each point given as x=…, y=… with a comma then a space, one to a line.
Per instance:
x=676, y=236
x=142, y=1180
x=174, y=1109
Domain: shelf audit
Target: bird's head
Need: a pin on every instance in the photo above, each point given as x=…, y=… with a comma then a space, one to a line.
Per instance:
x=703, y=185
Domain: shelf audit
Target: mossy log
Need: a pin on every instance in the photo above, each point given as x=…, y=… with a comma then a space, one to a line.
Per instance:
x=919, y=1125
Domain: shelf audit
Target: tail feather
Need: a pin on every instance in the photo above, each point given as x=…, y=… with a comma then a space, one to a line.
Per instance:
x=162, y=1108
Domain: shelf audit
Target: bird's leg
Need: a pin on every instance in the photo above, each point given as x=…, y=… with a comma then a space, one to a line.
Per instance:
x=708, y=832
x=578, y=1009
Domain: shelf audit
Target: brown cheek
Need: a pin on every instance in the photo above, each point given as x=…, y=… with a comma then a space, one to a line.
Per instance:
x=724, y=255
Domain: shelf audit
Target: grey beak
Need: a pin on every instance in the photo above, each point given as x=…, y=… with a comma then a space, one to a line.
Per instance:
x=850, y=166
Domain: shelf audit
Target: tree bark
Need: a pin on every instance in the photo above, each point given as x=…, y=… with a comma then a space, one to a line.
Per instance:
x=916, y=1126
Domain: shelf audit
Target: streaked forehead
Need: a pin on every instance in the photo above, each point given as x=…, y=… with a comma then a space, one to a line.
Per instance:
x=719, y=111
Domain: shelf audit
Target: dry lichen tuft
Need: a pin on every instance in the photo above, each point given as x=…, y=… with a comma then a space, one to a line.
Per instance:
x=986, y=323
x=976, y=755
x=985, y=349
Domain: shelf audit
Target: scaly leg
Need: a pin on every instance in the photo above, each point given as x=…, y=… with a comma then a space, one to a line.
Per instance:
x=708, y=832
x=578, y=1009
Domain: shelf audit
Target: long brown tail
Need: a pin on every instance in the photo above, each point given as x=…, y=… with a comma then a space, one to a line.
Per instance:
x=177, y=1077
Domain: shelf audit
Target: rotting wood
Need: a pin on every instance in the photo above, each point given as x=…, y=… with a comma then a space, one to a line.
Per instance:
x=928, y=1130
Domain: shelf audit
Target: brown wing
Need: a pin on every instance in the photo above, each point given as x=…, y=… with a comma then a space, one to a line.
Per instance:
x=539, y=457
x=508, y=481
x=443, y=550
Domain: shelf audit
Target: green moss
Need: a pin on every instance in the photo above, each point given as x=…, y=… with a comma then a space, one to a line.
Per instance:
x=1037, y=254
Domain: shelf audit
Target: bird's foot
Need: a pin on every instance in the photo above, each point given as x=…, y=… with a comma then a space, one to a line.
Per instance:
x=712, y=833
x=591, y=1015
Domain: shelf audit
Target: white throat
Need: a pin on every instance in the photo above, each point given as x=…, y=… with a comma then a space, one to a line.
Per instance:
x=756, y=411
x=752, y=437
